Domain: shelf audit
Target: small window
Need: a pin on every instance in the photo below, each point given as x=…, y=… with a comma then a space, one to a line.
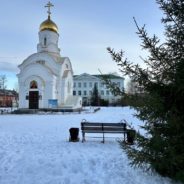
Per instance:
x=74, y=93
x=45, y=41
x=79, y=85
x=33, y=84
x=79, y=93
x=85, y=85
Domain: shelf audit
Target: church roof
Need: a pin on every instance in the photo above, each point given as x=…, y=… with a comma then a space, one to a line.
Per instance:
x=48, y=25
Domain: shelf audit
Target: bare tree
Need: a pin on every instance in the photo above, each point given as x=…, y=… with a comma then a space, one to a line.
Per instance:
x=3, y=81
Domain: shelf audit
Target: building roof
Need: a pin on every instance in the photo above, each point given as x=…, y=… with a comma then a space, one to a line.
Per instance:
x=101, y=76
x=8, y=92
x=109, y=76
x=48, y=25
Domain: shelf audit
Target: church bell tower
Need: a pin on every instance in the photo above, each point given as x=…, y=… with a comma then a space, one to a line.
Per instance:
x=48, y=35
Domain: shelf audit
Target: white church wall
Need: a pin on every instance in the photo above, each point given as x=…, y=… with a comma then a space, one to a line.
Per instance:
x=23, y=103
x=45, y=84
x=54, y=87
x=58, y=90
x=64, y=90
x=48, y=41
x=65, y=82
x=42, y=59
x=63, y=96
x=48, y=93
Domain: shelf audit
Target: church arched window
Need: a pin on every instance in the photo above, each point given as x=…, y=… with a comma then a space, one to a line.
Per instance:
x=45, y=41
x=33, y=84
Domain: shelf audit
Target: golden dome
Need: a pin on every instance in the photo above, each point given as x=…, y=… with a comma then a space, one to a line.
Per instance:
x=48, y=25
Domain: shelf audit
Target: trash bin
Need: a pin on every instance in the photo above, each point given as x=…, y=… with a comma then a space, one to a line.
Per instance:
x=74, y=134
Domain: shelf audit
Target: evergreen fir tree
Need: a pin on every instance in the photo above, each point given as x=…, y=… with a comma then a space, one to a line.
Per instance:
x=95, y=98
x=162, y=148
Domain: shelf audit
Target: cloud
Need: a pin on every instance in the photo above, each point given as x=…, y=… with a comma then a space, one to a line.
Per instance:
x=8, y=67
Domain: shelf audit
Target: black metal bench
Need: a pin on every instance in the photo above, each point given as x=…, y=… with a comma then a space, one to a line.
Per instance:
x=102, y=128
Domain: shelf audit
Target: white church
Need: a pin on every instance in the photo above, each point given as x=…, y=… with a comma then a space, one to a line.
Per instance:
x=46, y=78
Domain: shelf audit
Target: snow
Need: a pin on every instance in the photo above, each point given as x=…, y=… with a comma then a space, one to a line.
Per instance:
x=34, y=149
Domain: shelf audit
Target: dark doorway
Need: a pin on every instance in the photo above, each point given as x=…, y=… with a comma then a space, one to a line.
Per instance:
x=33, y=99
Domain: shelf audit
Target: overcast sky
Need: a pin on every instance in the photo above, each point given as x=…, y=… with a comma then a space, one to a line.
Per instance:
x=86, y=28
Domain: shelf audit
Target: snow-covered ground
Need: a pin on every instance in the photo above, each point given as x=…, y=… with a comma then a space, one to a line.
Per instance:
x=34, y=149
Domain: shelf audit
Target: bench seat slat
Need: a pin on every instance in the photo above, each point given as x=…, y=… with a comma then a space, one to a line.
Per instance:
x=91, y=128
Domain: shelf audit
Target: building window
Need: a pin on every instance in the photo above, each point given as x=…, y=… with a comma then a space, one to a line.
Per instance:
x=91, y=84
x=79, y=93
x=74, y=84
x=74, y=93
x=102, y=92
x=102, y=84
x=107, y=92
x=79, y=84
x=33, y=84
x=45, y=41
x=85, y=93
x=85, y=85
x=118, y=84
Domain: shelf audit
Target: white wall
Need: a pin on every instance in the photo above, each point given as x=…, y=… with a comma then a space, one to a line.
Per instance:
x=51, y=44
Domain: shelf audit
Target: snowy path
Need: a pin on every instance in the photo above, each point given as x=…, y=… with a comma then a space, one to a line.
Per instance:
x=34, y=149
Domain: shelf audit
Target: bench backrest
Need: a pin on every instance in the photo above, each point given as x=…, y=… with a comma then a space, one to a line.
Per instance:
x=103, y=127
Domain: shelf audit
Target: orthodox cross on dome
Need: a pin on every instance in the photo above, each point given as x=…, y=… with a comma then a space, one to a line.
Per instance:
x=49, y=5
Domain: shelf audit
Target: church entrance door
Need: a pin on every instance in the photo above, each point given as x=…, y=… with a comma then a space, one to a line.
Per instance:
x=33, y=99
